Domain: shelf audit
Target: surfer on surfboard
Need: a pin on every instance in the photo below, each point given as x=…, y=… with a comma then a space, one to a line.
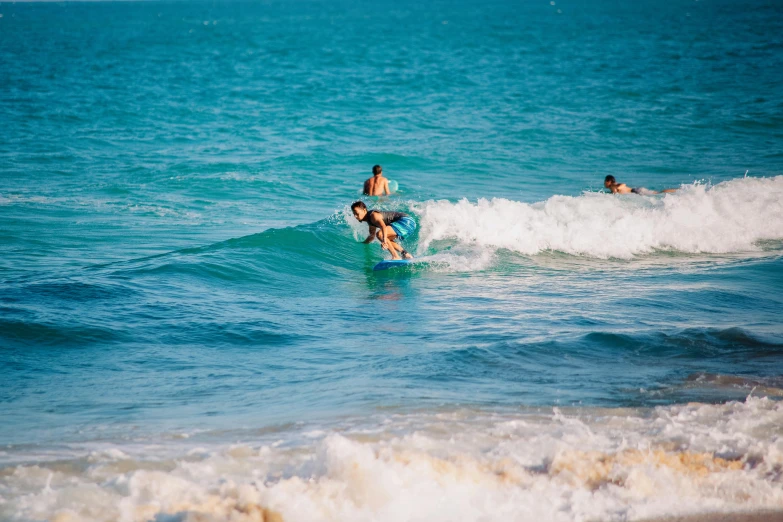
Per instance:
x=377, y=185
x=387, y=226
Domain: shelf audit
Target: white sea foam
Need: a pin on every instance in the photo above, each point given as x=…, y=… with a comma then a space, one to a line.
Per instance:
x=729, y=217
x=459, y=260
x=570, y=465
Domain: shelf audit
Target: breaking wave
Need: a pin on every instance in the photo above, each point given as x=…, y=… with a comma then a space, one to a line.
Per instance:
x=574, y=464
x=733, y=216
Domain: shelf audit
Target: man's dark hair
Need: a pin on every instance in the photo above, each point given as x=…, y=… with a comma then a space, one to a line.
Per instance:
x=377, y=169
x=610, y=179
x=358, y=204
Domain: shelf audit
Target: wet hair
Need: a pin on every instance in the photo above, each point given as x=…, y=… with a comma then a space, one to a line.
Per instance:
x=377, y=169
x=358, y=204
x=610, y=179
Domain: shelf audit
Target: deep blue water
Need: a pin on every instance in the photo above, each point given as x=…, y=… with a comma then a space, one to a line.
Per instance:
x=176, y=251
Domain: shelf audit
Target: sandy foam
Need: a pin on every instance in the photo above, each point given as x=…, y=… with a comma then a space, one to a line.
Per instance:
x=571, y=465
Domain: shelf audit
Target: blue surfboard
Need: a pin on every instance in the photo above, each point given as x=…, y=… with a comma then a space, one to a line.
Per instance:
x=392, y=263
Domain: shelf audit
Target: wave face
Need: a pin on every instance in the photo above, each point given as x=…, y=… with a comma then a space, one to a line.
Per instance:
x=730, y=217
x=557, y=465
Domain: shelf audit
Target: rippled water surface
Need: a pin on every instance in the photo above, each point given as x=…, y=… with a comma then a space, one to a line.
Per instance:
x=190, y=325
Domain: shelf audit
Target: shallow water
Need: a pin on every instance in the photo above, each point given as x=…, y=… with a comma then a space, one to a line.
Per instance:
x=190, y=325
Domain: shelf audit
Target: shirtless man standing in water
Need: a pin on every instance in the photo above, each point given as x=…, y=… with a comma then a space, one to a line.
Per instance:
x=622, y=188
x=377, y=185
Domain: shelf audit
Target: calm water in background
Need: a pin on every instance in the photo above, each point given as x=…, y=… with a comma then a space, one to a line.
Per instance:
x=178, y=263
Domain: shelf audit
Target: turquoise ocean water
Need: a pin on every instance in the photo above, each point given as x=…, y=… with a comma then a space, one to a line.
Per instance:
x=190, y=327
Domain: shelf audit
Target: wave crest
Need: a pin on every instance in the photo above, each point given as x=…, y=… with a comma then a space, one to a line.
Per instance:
x=733, y=216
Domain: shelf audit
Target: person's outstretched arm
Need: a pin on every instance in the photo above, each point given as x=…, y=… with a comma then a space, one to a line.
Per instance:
x=379, y=223
x=384, y=234
x=371, y=236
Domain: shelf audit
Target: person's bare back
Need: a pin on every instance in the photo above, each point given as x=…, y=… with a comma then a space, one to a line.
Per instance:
x=377, y=185
x=618, y=188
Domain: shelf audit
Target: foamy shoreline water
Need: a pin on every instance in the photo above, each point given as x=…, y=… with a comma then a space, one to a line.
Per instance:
x=565, y=465
x=743, y=516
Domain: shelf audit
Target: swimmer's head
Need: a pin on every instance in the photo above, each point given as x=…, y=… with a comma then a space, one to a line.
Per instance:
x=376, y=170
x=359, y=210
x=609, y=181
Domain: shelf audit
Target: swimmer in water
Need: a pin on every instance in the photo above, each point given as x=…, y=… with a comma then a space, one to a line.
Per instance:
x=622, y=188
x=387, y=226
x=377, y=185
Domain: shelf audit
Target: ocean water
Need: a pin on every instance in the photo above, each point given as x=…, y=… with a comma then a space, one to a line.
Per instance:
x=190, y=326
